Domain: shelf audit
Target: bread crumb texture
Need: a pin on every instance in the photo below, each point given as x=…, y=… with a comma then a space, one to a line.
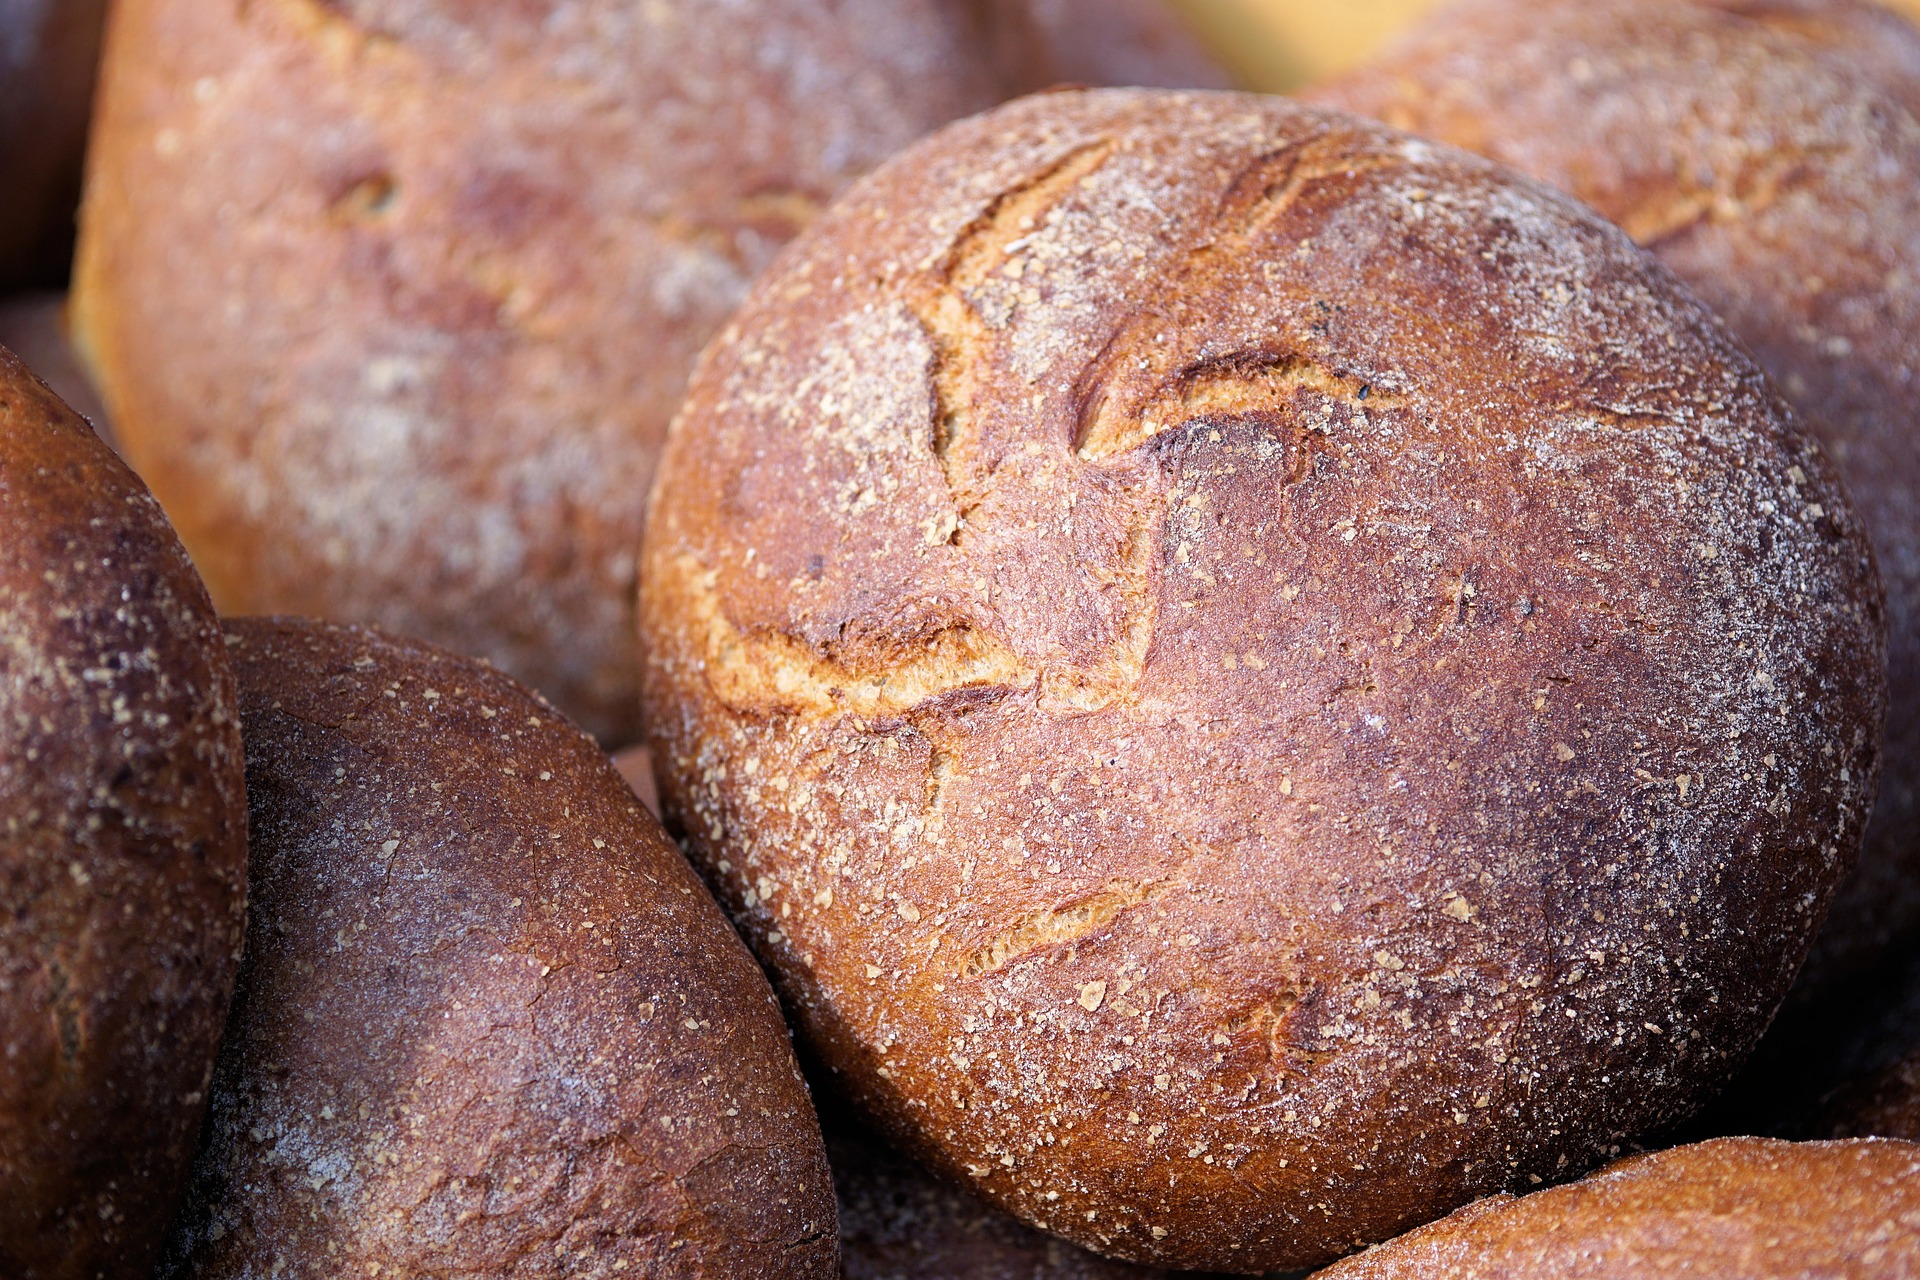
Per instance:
x=1768, y=152
x=122, y=850
x=490, y=1024
x=1331, y=599
x=1748, y=1207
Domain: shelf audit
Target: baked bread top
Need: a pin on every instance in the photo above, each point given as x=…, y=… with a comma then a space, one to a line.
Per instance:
x=490, y=1024
x=1768, y=152
x=1253, y=677
x=1747, y=1207
x=392, y=300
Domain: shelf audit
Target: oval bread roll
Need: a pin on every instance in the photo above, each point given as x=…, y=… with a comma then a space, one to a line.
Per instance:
x=122, y=850
x=1748, y=1207
x=1254, y=678
x=1768, y=151
x=490, y=1023
x=397, y=296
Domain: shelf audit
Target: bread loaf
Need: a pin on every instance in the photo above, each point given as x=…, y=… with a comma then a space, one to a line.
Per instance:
x=122, y=850
x=392, y=299
x=1253, y=678
x=1768, y=151
x=1745, y=1207
x=489, y=1024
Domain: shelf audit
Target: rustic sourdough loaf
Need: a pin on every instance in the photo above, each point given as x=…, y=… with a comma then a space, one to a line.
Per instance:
x=392, y=299
x=1747, y=1207
x=122, y=850
x=1768, y=151
x=490, y=1023
x=1253, y=677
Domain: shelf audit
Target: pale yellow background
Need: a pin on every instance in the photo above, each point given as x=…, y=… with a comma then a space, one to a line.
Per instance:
x=1278, y=45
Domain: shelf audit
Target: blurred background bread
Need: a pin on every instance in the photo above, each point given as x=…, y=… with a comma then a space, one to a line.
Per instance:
x=489, y=1022
x=1253, y=678
x=49, y=52
x=122, y=850
x=1279, y=46
x=397, y=296
x=1746, y=1207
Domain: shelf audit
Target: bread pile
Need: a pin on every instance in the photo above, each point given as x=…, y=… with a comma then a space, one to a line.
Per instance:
x=1235, y=684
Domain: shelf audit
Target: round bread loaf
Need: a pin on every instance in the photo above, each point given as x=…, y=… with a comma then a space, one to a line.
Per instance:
x=1254, y=678
x=392, y=299
x=1748, y=1207
x=122, y=850
x=1768, y=151
x=490, y=1023
x=899, y=1222
x=49, y=54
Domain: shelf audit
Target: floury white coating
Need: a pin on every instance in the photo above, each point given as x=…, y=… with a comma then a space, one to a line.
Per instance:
x=1253, y=678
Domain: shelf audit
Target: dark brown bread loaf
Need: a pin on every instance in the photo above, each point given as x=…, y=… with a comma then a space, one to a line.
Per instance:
x=1768, y=151
x=49, y=53
x=899, y=1222
x=1747, y=1207
x=122, y=850
x=396, y=297
x=490, y=1024
x=1254, y=678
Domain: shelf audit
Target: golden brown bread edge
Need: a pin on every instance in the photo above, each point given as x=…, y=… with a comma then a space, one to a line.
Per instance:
x=122, y=850
x=52, y=54
x=489, y=1022
x=1253, y=678
x=1768, y=151
x=1749, y=1207
x=397, y=300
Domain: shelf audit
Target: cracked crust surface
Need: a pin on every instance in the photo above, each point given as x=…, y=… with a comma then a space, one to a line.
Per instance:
x=1768, y=152
x=1748, y=1207
x=122, y=850
x=1416, y=770
x=427, y=277
x=490, y=1024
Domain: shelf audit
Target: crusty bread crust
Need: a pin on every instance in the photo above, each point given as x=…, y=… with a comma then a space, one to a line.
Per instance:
x=122, y=850
x=1768, y=151
x=396, y=297
x=1253, y=678
x=1747, y=1207
x=489, y=1024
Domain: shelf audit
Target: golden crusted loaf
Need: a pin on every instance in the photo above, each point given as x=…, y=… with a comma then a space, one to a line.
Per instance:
x=49, y=51
x=122, y=850
x=392, y=299
x=1747, y=1207
x=1254, y=678
x=489, y=1024
x=1768, y=151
